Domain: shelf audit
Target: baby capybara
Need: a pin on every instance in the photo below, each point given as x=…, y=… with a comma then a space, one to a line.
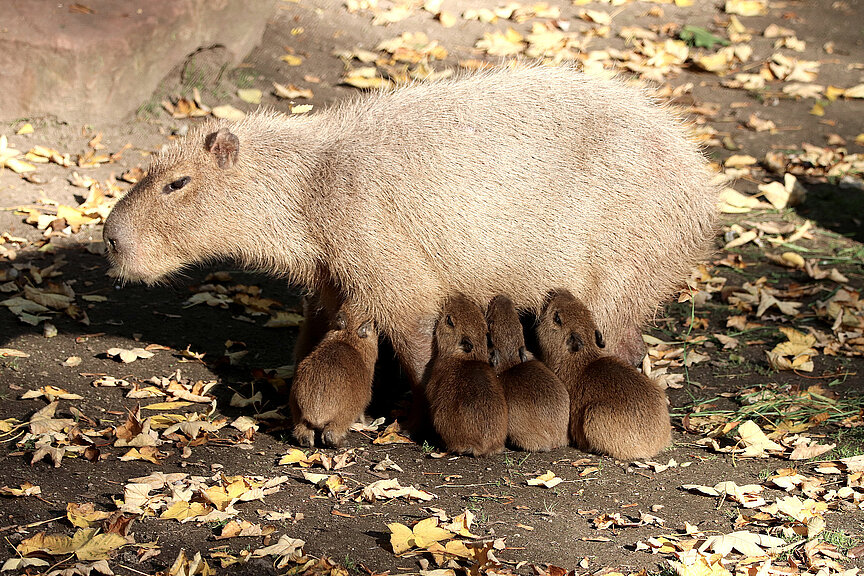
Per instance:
x=333, y=383
x=614, y=409
x=466, y=402
x=538, y=405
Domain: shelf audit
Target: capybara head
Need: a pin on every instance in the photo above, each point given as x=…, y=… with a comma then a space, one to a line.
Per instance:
x=461, y=330
x=204, y=197
x=567, y=328
x=505, y=333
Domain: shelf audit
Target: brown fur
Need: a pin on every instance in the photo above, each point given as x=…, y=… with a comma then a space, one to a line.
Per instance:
x=538, y=405
x=614, y=409
x=333, y=383
x=466, y=402
x=400, y=198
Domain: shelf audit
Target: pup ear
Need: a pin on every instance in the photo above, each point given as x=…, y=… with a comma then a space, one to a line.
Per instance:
x=340, y=321
x=364, y=329
x=598, y=337
x=224, y=146
x=574, y=342
x=494, y=358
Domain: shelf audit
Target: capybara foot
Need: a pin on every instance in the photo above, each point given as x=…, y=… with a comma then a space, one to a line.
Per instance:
x=334, y=436
x=304, y=435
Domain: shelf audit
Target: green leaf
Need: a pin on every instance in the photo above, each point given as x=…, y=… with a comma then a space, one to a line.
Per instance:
x=700, y=37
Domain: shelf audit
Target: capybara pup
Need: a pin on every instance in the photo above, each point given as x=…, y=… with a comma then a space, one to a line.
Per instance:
x=401, y=198
x=538, y=405
x=466, y=402
x=614, y=409
x=333, y=383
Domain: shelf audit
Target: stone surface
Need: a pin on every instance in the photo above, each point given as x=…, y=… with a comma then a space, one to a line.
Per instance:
x=98, y=60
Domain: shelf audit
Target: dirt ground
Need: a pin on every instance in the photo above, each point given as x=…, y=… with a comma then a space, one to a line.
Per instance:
x=714, y=351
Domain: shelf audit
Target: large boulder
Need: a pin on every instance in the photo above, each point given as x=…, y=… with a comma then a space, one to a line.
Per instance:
x=98, y=60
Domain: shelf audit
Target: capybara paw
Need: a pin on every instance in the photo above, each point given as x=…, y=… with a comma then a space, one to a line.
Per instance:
x=333, y=437
x=304, y=435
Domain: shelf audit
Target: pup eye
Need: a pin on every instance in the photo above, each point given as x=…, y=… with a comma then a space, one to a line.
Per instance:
x=449, y=321
x=176, y=185
x=557, y=318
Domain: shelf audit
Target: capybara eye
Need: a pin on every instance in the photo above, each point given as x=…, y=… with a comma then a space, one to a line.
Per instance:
x=557, y=318
x=466, y=345
x=449, y=321
x=176, y=185
x=598, y=337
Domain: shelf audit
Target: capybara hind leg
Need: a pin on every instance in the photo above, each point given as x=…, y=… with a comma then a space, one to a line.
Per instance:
x=304, y=435
x=318, y=310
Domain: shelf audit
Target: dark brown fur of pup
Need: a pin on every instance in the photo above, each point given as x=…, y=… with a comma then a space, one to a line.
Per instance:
x=614, y=409
x=466, y=401
x=538, y=405
x=333, y=383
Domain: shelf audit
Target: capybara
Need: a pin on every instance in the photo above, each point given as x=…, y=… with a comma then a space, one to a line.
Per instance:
x=333, y=383
x=466, y=403
x=538, y=404
x=614, y=409
x=400, y=198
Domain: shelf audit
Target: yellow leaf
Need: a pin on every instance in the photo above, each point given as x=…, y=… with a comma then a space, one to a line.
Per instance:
x=859, y=139
x=98, y=547
x=755, y=441
x=745, y=7
x=167, y=405
x=817, y=109
x=401, y=537
x=833, y=92
x=250, y=95
x=427, y=531
x=228, y=112
x=25, y=129
x=547, y=480
x=301, y=108
x=739, y=161
x=182, y=510
x=19, y=166
x=856, y=91
x=84, y=515
x=701, y=566
x=74, y=217
x=50, y=543
x=292, y=60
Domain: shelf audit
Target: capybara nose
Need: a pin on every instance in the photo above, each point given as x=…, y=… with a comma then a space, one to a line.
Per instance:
x=113, y=238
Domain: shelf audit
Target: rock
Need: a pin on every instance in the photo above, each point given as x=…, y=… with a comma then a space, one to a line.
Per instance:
x=99, y=60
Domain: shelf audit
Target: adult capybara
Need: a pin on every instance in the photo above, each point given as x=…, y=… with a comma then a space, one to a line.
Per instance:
x=538, y=404
x=333, y=382
x=466, y=402
x=614, y=409
x=400, y=198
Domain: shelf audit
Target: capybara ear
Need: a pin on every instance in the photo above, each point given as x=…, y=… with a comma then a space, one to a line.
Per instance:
x=598, y=337
x=224, y=146
x=574, y=342
x=340, y=321
x=364, y=329
x=494, y=358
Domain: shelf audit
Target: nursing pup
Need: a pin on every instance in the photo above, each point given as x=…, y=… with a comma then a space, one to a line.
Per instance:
x=614, y=409
x=466, y=402
x=538, y=404
x=333, y=383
